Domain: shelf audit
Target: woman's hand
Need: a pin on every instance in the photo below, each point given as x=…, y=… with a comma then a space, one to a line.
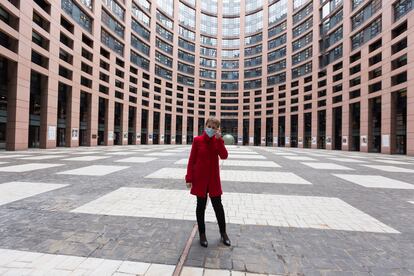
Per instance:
x=218, y=133
x=189, y=184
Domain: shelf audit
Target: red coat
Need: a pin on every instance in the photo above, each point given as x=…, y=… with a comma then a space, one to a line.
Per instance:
x=203, y=166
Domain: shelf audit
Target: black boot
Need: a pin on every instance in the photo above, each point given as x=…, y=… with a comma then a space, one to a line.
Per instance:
x=225, y=239
x=203, y=240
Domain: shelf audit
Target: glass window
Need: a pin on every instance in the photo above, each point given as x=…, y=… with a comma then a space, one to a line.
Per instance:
x=230, y=64
x=209, y=74
x=366, y=34
x=167, y=6
x=358, y=19
x=163, y=73
x=165, y=20
x=139, y=60
x=330, y=56
x=164, y=33
x=230, y=75
x=256, y=61
x=402, y=7
x=274, y=55
x=329, y=7
x=164, y=46
x=253, y=50
x=276, y=42
x=140, y=15
x=276, y=67
x=139, y=45
x=302, y=70
x=253, y=5
x=163, y=59
x=116, y=9
x=208, y=41
x=302, y=56
x=254, y=22
x=298, y=3
x=208, y=24
x=186, y=45
x=140, y=30
x=212, y=52
x=253, y=73
x=253, y=39
x=230, y=53
x=187, y=16
x=302, y=28
x=230, y=43
x=277, y=11
x=112, y=43
x=276, y=79
x=331, y=22
x=145, y=4
x=231, y=7
x=356, y=3
x=303, y=13
x=303, y=41
x=186, y=33
x=77, y=14
x=208, y=62
x=229, y=86
x=186, y=56
x=209, y=6
x=277, y=29
x=231, y=26
x=185, y=80
x=253, y=84
x=185, y=68
x=330, y=40
x=112, y=24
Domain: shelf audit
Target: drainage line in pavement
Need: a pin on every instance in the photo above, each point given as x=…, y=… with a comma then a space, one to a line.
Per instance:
x=184, y=255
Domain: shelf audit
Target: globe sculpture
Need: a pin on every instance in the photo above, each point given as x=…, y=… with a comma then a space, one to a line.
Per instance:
x=228, y=139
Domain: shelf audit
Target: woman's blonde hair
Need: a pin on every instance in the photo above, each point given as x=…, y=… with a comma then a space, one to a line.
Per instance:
x=213, y=120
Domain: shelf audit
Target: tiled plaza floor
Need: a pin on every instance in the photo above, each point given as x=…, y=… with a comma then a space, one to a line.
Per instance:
x=126, y=211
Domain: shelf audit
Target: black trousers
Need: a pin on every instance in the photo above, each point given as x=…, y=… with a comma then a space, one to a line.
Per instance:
x=218, y=209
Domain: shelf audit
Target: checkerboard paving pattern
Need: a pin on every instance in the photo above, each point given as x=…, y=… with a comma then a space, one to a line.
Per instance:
x=239, y=163
x=347, y=160
x=137, y=160
x=241, y=208
x=237, y=176
x=86, y=158
x=95, y=170
x=326, y=166
x=390, y=168
x=28, y=167
x=245, y=156
x=375, y=181
x=12, y=191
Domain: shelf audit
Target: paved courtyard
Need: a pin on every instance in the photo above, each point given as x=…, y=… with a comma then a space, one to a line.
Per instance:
x=125, y=210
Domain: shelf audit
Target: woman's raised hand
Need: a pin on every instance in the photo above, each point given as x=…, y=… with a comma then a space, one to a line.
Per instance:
x=218, y=133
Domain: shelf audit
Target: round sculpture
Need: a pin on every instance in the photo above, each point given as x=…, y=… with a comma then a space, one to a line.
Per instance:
x=228, y=139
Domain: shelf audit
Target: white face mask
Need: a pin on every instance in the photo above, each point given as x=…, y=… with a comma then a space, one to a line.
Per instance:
x=209, y=131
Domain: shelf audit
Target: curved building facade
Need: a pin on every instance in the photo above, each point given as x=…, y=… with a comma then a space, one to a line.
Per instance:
x=328, y=74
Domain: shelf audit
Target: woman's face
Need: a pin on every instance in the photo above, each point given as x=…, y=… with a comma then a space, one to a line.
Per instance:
x=212, y=125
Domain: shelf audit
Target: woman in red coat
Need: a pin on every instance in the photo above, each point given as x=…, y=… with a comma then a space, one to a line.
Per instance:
x=203, y=176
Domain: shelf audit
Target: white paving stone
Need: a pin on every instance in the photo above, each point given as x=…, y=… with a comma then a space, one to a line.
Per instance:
x=95, y=170
x=241, y=208
x=122, y=153
x=300, y=158
x=237, y=176
x=28, y=167
x=389, y=168
x=12, y=191
x=13, y=156
x=43, y=157
x=133, y=267
x=239, y=163
x=241, y=152
x=1, y=163
x=86, y=158
x=284, y=153
x=160, y=154
x=347, y=160
x=325, y=166
x=192, y=271
x=245, y=156
x=375, y=181
x=160, y=269
x=137, y=159
x=393, y=162
x=85, y=152
x=411, y=202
